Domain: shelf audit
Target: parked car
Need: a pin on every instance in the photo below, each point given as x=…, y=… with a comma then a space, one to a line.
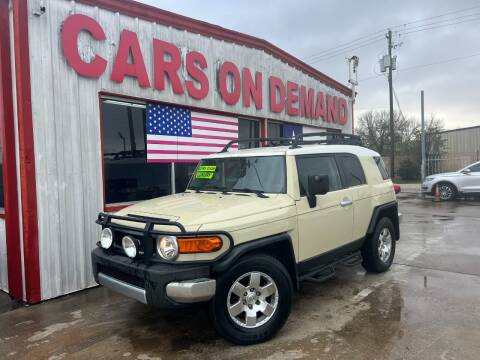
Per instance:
x=450, y=185
x=251, y=226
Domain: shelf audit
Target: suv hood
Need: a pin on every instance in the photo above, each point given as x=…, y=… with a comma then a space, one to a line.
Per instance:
x=196, y=209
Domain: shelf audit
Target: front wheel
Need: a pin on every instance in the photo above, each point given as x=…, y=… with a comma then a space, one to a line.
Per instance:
x=446, y=191
x=379, y=249
x=253, y=300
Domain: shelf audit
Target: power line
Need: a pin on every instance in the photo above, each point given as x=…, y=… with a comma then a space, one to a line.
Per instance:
x=367, y=39
x=344, y=44
x=343, y=51
x=437, y=16
x=439, y=26
x=439, y=22
x=425, y=65
x=398, y=104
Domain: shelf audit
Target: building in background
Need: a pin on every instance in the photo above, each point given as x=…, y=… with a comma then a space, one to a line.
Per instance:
x=78, y=80
x=460, y=147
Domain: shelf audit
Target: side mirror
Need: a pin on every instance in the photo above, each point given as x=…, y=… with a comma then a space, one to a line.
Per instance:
x=466, y=171
x=317, y=185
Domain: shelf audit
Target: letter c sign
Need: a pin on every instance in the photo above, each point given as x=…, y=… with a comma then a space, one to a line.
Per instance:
x=72, y=26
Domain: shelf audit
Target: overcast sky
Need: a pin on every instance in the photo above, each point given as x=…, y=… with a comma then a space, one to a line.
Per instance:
x=307, y=27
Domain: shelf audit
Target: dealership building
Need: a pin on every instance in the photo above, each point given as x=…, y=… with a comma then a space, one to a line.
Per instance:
x=79, y=81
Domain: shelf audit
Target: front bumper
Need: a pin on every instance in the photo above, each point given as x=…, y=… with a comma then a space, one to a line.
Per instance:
x=427, y=187
x=158, y=284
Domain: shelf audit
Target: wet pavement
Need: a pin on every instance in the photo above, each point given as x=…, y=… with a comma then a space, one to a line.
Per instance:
x=426, y=307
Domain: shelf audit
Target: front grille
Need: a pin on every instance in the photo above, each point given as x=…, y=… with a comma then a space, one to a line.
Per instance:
x=119, y=275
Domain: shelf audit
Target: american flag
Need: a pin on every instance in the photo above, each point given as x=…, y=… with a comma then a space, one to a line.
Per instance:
x=177, y=134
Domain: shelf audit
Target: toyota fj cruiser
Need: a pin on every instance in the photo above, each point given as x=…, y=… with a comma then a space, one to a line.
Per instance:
x=251, y=226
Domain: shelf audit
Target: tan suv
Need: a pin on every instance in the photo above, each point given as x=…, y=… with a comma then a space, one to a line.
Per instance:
x=251, y=226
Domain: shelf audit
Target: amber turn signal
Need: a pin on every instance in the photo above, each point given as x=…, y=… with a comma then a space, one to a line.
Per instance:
x=200, y=244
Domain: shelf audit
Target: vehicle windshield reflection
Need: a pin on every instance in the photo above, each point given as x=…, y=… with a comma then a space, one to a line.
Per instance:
x=256, y=174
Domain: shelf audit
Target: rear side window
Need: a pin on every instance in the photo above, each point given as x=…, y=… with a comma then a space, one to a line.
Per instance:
x=352, y=170
x=318, y=165
x=381, y=167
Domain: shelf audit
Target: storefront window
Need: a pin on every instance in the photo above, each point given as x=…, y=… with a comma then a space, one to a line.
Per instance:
x=183, y=173
x=128, y=176
x=274, y=130
x=248, y=129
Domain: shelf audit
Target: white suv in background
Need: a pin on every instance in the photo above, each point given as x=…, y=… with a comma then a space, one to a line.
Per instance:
x=450, y=185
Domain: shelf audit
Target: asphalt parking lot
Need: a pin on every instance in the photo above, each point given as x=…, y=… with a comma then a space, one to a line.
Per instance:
x=426, y=307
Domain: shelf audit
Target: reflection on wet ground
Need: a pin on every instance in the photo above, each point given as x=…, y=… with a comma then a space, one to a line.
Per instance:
x=425, y=307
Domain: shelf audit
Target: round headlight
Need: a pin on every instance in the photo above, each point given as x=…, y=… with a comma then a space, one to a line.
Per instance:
x=106, y=239
x=167, y=247
x=129, y=246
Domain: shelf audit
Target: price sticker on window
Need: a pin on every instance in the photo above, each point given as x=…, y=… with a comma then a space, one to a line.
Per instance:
x=207, y=168
x=206, y=172
x=204, y=175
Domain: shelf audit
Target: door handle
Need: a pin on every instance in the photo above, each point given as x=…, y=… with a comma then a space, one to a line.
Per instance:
x=346, y=202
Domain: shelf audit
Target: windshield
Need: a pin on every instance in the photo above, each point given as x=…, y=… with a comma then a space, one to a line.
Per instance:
x=242, y=174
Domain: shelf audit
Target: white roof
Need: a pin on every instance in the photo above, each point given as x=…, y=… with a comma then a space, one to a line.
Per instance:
x=301, y=150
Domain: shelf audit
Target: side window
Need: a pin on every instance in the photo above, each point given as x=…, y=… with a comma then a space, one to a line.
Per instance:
x=317, y=165
x=475, y=168
x=381, y=167
x=352, y=170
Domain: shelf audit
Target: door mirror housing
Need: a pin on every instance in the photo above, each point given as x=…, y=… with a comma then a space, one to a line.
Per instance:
x=466, y=171
x=317, y=185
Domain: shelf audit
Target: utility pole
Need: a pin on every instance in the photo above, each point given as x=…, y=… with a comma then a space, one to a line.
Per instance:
x=423, y=137
x=390, y=88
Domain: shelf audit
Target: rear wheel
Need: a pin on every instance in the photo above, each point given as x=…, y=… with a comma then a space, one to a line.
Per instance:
x=379, y=249
x=252, y=301
x=447, y=191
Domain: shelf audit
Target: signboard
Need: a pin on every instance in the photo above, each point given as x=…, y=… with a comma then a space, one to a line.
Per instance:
x=187, y=73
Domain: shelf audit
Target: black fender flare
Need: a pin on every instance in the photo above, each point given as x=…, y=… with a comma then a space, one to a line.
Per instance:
x=389, y=207
x=257, y=246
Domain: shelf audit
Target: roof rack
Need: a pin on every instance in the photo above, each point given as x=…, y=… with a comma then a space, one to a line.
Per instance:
x=328, y=138
x=278, y=141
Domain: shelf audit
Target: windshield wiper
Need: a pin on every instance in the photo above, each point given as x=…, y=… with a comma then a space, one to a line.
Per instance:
x=259, y=193
x=195, y=188
x=223, y=189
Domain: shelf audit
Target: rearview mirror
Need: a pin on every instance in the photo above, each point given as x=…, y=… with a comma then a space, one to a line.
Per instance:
x=466, y=171
x=317, y=185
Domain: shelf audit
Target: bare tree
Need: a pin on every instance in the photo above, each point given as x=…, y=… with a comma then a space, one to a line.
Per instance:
x=374, y=128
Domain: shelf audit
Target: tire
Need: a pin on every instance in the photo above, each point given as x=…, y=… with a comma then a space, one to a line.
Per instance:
x=374, y=251
x=447, y=191
x=235, y=326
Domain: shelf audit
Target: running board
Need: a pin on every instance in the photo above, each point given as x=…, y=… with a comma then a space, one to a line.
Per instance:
x=327, y=271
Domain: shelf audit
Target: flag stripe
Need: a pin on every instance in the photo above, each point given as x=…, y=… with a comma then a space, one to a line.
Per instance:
x=163, y=142
x=209, y=128
x=214, y=125
x=215, y=137
x=175, y=147
x=214, y=121
x=190, y=152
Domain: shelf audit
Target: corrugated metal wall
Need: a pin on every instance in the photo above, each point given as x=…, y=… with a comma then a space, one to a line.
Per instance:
x=67, y=126
x=463, y=141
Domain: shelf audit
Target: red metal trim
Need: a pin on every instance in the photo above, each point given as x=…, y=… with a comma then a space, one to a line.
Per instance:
x=115, y=208
x=7, y=124
x=26, y=152
x=150, y=13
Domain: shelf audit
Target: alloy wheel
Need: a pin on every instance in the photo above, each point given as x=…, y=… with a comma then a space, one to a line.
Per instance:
x=252, y=299
x=385, y=245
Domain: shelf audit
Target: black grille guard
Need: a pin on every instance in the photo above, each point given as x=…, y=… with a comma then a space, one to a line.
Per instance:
x=147, y=235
